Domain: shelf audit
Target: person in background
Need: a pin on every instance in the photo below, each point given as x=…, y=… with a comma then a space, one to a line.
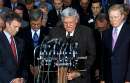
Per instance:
x=33, y=36
x=29, y=7
x=84, y=11
x=101, y=24
x=2, y=23
x=67, y=3
x=54, y=16
x=44, y=10
x=20, y=11
x=96, y=9
x=14, y=3
x=49, y=5
x=3, y=9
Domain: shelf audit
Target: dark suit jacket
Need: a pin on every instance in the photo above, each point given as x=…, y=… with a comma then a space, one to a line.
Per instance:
x=116, y=63
x=83, y=35
x=9, y=68
x=26, y=35
x=52, y=18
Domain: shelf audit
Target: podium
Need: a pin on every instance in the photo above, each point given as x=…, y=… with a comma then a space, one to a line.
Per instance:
x=64, y=56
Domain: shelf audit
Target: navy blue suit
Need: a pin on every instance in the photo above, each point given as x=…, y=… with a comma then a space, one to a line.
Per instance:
x=26, y=35
x=9, y=68
x=116, y=63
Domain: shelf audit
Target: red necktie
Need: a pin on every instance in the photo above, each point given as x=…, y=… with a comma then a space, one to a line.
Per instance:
x=12, y=44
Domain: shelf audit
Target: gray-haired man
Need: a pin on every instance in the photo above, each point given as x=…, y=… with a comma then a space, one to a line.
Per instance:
x=83, y=35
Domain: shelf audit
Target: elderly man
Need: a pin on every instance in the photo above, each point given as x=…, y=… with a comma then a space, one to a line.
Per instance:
x=83, y=35
x=116, y=45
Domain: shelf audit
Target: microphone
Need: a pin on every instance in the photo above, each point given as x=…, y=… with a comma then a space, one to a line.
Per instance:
x=53, y=40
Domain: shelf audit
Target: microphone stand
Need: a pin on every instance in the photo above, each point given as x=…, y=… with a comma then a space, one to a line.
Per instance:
x=35, y=49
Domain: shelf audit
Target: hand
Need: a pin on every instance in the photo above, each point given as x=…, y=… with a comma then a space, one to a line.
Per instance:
x=102, y=81
x=127, y=82
x=72, y=75
x=18, y=80
x=97, y=74
x=34, y=70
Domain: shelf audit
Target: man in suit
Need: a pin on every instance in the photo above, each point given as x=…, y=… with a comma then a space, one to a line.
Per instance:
x=116, y=46
x=14, y=3
x=54, y=15
x=33, y=37
x=83, y=35
x=11, y=51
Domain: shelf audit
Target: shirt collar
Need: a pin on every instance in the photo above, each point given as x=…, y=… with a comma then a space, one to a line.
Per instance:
x=7, y=35
x=71, y=33
x=33, y=31
x=119, y=28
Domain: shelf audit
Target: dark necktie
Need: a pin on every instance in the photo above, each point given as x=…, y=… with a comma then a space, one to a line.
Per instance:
x=59, y=15
x=12, y=44
x=68, y=35
x=35, y=39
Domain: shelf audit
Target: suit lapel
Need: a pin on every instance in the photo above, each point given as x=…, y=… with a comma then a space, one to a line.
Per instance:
x=41, y=36
x=30, y=36
x=120, y=38
x=8, y=47
x=18, y=47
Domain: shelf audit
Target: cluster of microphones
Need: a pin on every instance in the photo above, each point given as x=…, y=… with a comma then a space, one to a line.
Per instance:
x=62, y=52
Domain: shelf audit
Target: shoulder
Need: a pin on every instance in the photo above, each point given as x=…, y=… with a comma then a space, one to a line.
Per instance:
x=84, y=29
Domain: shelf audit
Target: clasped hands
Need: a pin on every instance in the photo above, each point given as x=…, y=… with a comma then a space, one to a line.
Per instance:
x=18, y=80
x=72, y=75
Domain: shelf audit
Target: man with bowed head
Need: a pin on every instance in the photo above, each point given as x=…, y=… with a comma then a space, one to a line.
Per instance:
x=84, y=36
x=11, y=51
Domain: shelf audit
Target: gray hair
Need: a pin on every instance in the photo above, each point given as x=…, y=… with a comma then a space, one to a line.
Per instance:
x=69, y=12
x=119, y=7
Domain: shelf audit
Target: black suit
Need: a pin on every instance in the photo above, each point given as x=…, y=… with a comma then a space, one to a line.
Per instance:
x=9, y=68
x=26, y=35
x=116, y=63
x=83, y=35
x=53, y=18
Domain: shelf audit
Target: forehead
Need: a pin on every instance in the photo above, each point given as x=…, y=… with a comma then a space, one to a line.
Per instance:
x=36, y=21
x=57, y=1
x=83, y=1
x=114, y=12
x=18, y=11
x=69, y=18
x=67, y=0
x=15, y=22
x=97, y=4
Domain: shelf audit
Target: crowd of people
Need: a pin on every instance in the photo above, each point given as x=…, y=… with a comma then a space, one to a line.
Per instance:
x=100, y=27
